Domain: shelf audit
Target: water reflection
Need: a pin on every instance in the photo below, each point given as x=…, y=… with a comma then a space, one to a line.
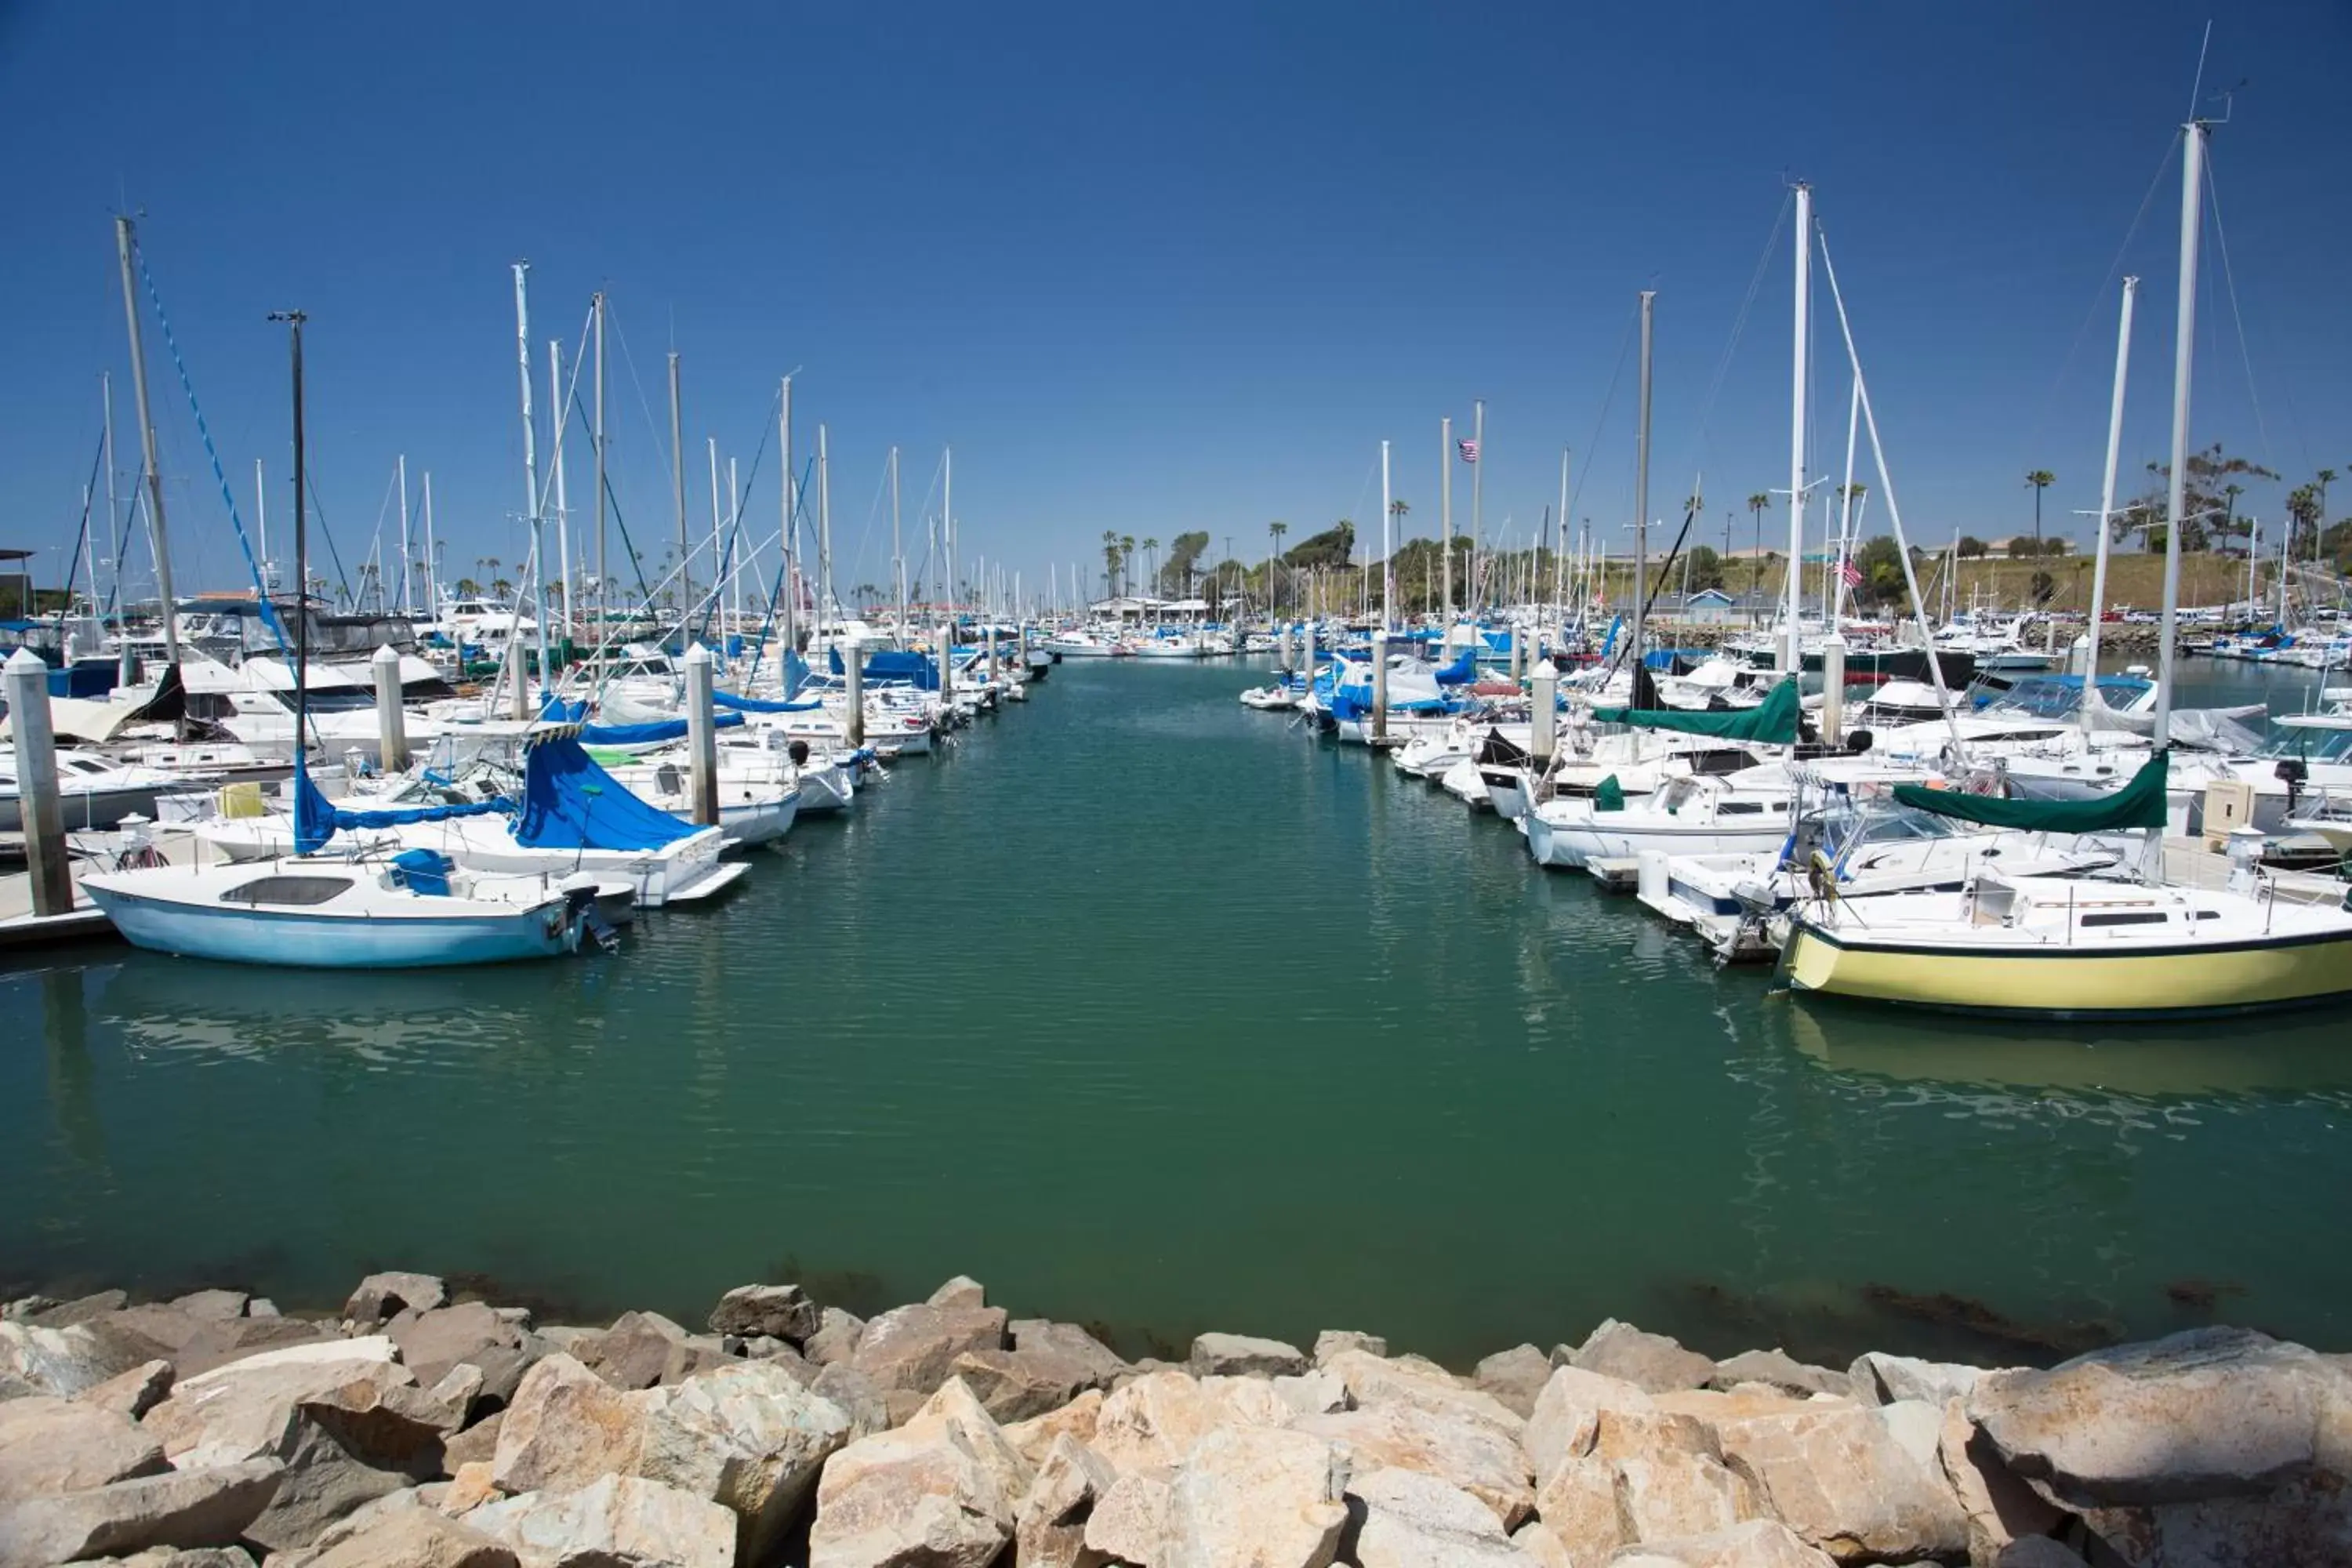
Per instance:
x=161, y=1011
x=2285, y=1058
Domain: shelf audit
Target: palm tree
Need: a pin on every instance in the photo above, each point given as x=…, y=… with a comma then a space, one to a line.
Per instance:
x=2041, y=479
x=1151, y=564
x=1110, y=564
x=1274, y=553
x=1755, y=505
x=1126, y=554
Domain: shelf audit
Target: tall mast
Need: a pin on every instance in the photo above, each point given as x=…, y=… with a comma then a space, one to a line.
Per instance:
x=734, y=567
x=407, y=566
x=2107, y=500
x=531, y=471
x=897, y=552
x=1559, y=555
x=2184, y=344
x=1477, y=490
x=294, y=320
x=1834, y=592
x=561, y=414
x=1792, y=659
x=603, y=580
x=1388, y=548
x=947, y=530
x=824, y=530
x=1641, y=498
x=792, y=529
x=1445, y=512
x=106, y=396
x=432, y=575
x=122, y=243
x=677, y=496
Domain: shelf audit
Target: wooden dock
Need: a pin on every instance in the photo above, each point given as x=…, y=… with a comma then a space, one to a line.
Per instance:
x=20, y=927
x=1617, y=875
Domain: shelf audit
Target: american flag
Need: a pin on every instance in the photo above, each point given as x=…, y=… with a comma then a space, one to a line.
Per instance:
x=1469, y=449
x=1850, y=573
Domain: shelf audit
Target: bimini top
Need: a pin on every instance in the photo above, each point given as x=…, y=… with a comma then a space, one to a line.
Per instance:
x=1771, y=722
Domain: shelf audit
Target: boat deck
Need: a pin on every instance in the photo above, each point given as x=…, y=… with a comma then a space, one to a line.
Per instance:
x=2189, y=863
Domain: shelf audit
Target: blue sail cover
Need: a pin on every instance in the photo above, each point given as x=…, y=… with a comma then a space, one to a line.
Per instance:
x=570, y=803
x=650, y=734
x=762, y=705
x=315, y=820
x=894, y=667
x=1462, y=671
x=557, y=711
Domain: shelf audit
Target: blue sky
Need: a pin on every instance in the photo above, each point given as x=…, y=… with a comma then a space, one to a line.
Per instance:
x=1153, y=268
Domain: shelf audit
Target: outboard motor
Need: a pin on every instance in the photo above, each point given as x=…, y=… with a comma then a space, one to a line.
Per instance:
x=2292, y=772
x=799, y=753
x=1857, y=742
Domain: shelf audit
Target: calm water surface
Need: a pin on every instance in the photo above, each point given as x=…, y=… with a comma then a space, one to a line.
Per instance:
x=1148, y=1010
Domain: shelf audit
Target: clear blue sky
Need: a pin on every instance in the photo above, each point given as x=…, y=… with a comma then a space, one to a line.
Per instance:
x=1153, y=268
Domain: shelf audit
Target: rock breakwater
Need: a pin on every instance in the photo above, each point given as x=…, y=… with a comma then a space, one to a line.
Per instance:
x=412, y=1428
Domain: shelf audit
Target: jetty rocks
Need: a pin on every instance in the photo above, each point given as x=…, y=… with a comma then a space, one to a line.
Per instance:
x=416, y=1428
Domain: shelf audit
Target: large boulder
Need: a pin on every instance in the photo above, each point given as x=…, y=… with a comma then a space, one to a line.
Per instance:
x=779, y=1311
x=566, y=1428
x=414, y=1538
x=1372, y=1382
x=1843, y=1478
x=382, y=1296
x=1074, y=1343
x=1239, y=1355
x=1129, y=1522
x=748, y=1436
x=1033, y=1438
x=2212, y=1412
x=181, y=1508
x=1759, y=1543
x=1331, y=1342
x=61, y=1361
x=434, y=1343
x=2303, y=1524
x=856, y=1395
x=837, y=1336
x=1653, y=1362
x=51, y=1444
x=643, y=1349
x=620, y=1521
x=963, y=1291
x=1567, y=1415
x=80, y=1310
x=324, y=1483
x=1473, y=1456
x=1877, y=1378
x=1515, y=1377
x=249, y=1409
x=1671, y=1493
x=2001, y=1507
x=220, y=1340
x=940, y=1492
x=1578, y=1503
x=213, y=1304
x=1414, y=1521
x=1154, y=1420
x=1050, y=1525
x=1776, y=1368
x=1259, y=1497
x=914, y=1349
x=1018, y=1384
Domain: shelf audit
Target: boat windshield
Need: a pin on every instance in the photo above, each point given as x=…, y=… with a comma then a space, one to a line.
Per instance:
x=1845, y=830
x=2309, y=744
x=2061, y=696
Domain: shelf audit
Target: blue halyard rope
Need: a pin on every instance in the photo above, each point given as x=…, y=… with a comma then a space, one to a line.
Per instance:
x=260, y=589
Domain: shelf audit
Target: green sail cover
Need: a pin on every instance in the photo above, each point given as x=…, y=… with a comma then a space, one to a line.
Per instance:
x=1608, y=794
x=2140, y=803
x=1773, y=722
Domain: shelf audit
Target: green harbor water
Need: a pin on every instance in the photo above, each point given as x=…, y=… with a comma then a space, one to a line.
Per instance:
x=1153, y=1012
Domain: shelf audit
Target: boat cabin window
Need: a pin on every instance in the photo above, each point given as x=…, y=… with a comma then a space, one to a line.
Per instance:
x=294, y=891
x=2151, y=918
x=1740, y=808
x=1676, y=794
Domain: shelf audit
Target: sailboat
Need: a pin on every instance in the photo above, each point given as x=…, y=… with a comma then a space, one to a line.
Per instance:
x=315, y=912
x=2069, y=947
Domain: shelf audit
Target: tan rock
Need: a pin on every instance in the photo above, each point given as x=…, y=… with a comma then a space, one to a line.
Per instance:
x=1461, y=1451
x=1129, y=1523
x=620, y=1521
x=914, y=1348
x=1073, y=1342
x=747, y=1437
x=1410, y=1381
x=50, y=1445
x=1016, y=1386
x=1567, y=1415
x=1154, y=1421
x=470, y=1489
x=1656, y=1364
x=1671, y=1493
x=1778, y=1369
x=1542, y=1544
x=1515, y=1377
x=381, y=1296
x=566, y=1428
x=208, y=1507
x=247, y=1408
x=1239, y=1355
x=963, y=1291
x=924, y=1494
x=1840, y=1477
x=478, y=1442
x=835, y=1339
x=1878, y=1378
x=1033, y=1438
x=1579, y=1502
x=1249, y=1495
x=1712, y=1405
x=1759, y=1543
x=1050, y=1525
x=779, y=1311
x=1331, y=1342
x=415, y=1538
x=133, y=1393
x=1414, y=1521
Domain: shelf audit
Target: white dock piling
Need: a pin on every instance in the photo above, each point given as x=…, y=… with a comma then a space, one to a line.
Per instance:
x=1379, y=686
x=391, y=718
x=519, y=672
x=947, y=668
x=853, y=672
x=1543, y=715
x=1833, y=689
x=37, y=783
x=1518, y=657
x=701, y=738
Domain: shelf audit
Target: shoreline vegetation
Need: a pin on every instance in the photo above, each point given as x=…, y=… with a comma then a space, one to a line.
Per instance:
x=421, y=1425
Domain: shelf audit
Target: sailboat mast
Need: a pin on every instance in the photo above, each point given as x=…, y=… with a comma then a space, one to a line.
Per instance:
x=717, y=565
x=2107, y=498
x=602, y=577
x=1445, y=512
x=431, y=577
x=123, y=244
x=558, y=412
x=2184, y=344
x=531, y=470
x=824, y=532
x=897, y=549
x=1641, y=498
x=947, y=530
x=677, y=497
x=1477, y=492
x=294, y=320
x=1560, y=554
x=791, y=530
x=1792, y=657
x=1388, y=550
x=407, y=566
